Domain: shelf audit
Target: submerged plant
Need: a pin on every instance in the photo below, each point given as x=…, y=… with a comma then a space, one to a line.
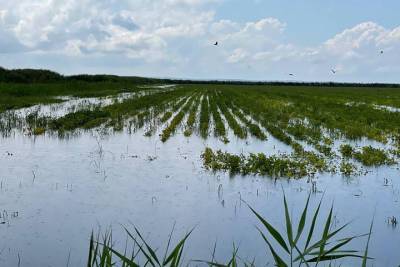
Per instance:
x=346, y=150
x=370, y=156
x=295, y=165
x=39, y=131
x=204, y=117
x=347, y=168
x=167, y=115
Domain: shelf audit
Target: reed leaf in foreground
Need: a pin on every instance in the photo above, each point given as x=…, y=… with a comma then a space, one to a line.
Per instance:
x=105, y=255
x=294, y=246
x=325, y=249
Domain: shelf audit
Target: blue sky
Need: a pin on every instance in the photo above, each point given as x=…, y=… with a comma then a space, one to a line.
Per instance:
x=313, y=21
x=258, y=39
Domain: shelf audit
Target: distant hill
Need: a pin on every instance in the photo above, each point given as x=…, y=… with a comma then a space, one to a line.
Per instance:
x=47, y=76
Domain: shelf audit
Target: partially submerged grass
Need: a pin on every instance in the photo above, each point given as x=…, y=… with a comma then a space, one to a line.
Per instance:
x=176, y=121
x=115, y=113
x=347, y=168
x=204, y=117
x=253, y=128
x=292, y=166
x=85, y=119
x=292, y=115
x=191, y=120
x=167, y=115
x=219, y=129
x=20, y=95
x=368, y=155
x=238, y=130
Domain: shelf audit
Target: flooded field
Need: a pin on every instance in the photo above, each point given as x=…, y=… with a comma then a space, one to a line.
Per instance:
x=192, y=156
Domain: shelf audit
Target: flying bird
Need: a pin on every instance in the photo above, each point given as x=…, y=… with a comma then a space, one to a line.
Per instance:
x=291, y=74
x=333, y=71
x=216, y=43
x=381, y=51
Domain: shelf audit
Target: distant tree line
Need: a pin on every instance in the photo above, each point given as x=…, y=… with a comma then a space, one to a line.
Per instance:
x=47, y=76
x=29, y=76
x=284, y=83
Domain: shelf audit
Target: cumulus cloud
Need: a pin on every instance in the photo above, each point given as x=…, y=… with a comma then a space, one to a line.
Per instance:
x=358, y=49
x=138, y=29
x=175, y=37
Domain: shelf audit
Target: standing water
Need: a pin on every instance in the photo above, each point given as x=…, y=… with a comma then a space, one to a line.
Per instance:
x=55, y=191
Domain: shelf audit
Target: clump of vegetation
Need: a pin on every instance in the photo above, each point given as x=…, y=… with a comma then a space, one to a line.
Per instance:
x=347, y=168
x=325, y=150
x=370, y=156
x=291, y=166
x=39, y=131
x=346, y=150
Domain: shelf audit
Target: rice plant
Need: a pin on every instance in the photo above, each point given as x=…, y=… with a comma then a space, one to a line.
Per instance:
x=176, y=120
x=204, y=117
x=219, y=124
x=191, y=120
x=238, y=130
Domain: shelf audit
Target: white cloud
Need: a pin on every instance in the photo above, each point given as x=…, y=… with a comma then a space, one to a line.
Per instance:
x=175, y=37
x=138, y=29
x=237, y=56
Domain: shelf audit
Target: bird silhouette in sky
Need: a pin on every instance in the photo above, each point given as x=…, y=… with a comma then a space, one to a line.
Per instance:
x=216, y=43
x=333, y=71
x=291, y=74
x=381, y=51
